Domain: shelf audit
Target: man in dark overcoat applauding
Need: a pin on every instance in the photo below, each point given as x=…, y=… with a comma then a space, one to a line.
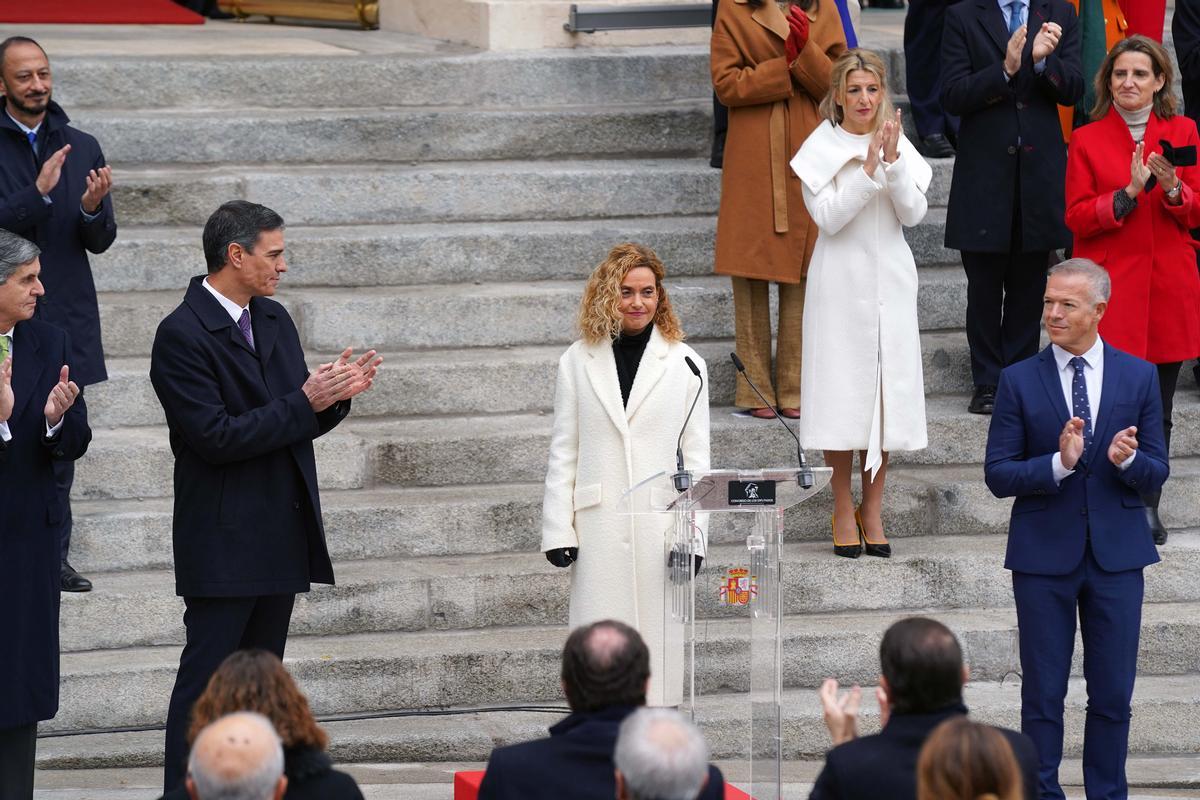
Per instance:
x=243, y=411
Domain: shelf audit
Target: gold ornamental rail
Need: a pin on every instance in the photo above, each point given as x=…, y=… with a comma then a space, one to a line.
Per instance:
x=364, y=12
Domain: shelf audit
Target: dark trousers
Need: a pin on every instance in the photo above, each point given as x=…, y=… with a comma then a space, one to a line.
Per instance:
x=1004, y=309
x=216, y=627
x=18, y=747
x=64, y=478
x=1168, y=379
x=1109, y=606
x=720, y=119
x=923, y=67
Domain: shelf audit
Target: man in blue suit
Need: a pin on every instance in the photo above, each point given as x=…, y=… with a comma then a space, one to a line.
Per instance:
x=1076, y=438
x=43, y=421
x=243, y=411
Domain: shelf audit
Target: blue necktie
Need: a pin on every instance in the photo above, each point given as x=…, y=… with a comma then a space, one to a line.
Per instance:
x=1016, y=9
x=1079, y=404
x=32, y=137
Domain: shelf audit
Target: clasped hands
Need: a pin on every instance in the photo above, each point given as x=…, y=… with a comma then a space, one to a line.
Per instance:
x=1141, y=168
x=886, y=140
x=99, y=181
x=797, y=33
x=1044, y=43
x=840, y=711
x=1070, y=444
x=341, y=379
x=61, y=398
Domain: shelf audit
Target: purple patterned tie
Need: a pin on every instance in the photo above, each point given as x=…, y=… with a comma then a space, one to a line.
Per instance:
x=244, y=325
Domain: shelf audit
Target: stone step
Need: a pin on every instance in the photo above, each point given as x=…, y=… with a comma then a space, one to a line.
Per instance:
x=451, y=593
x=451, y=76
x=439, y=451
x=340, y=135
x=151, y=259
x=500, y=314
x=413, y=523
x=343, y=194
x=483, y=381
x=1166, y=712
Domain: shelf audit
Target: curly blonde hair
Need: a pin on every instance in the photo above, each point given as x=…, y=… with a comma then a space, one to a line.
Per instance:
x=839, y=74
x=600, y=309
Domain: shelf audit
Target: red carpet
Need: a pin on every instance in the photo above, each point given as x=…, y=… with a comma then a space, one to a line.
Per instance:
x=98, y=12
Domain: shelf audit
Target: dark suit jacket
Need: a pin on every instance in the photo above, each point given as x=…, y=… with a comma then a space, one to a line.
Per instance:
x=59, y=229
x=1185, y=30
x=247, y=513
x=998, y=118
x=29, y=517
x=575, y=762
x=885, y=765
x=1051, y=522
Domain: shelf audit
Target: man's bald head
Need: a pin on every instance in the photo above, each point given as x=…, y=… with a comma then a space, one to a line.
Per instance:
x=238, y=757
x=605, y=664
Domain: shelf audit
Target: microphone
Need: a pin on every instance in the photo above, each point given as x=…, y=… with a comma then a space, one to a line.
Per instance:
x=805, y=478
x=683, y=478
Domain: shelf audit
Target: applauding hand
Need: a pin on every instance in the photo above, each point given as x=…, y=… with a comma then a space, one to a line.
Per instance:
x=1046, y=40
x=1139, y=173
x=1012, y=53
x=1124, y=445
x=61, y=398
x=7, y=402
x=840, y=713
x=892, y=129
x=798, y=33
x=1070, y=442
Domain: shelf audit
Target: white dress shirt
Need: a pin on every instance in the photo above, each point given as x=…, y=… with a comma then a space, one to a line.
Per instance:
x=231, y=308
x=5, y=433
x=1093, y=379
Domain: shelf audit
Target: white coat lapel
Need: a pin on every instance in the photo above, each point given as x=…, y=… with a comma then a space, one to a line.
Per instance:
x=650, y=371
x=601, y=367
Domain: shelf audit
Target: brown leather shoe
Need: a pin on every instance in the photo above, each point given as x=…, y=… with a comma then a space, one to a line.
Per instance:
x=790, y=413
x=763, y=413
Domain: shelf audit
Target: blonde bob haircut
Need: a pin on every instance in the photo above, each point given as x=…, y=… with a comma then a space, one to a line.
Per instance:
x=1165, y=103
x=851, y=61
x=600, y=310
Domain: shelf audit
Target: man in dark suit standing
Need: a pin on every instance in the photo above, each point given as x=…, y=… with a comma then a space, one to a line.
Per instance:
x=43, y=419
x=605, y=673
x=936, y=130
x=1006, y=65
x=1077, y=439
x=921, y=686
x=54, y=190
x=243, y=410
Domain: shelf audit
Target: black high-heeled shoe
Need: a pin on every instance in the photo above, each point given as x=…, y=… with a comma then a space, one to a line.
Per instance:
x=880, y=550
x=844, y=550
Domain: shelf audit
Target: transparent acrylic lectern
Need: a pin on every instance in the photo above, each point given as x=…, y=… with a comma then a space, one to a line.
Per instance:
x=765, y=493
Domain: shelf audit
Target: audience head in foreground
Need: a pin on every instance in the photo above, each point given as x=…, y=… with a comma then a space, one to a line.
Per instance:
x=605, y=675
x=964, y=760
x=238, y=757
x=921, y=681
x=605, y=664
x=660, y=755
x=256, y=681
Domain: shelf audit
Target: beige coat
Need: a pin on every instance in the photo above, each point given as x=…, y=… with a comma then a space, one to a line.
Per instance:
x=763, y=230
x=597, y=451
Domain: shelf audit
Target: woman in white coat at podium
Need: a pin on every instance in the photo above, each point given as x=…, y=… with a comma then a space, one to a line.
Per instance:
x=862, y=385
x=623, y=393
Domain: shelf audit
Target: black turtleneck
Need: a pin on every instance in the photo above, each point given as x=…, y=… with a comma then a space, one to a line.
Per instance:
x=627, y=350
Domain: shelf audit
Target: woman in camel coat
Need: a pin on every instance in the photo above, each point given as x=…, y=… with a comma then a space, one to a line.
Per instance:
x=771, y=69
x=622, y=395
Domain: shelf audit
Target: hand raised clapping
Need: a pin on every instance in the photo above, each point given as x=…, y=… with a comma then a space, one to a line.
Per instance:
x=341, y=379
x=840, y=712
x=61, y=398
x=892, y=129
x=99, y=184
x=1046, y=40
x=1124, y=445
x=1070, y=442
x=1139, y=172
x=1163, y=170
x=7, y=402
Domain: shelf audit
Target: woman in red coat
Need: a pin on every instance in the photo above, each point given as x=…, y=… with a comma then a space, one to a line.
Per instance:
x=1130, y=209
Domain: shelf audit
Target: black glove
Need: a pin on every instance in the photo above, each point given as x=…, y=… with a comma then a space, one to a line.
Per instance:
x=562, y=556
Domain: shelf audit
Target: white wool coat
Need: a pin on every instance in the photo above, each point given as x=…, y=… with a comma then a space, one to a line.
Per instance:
x=861, y=381
x=597, y=451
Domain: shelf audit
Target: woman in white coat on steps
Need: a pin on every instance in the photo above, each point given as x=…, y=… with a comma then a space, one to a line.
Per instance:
x=862, y=387
x=622, y=395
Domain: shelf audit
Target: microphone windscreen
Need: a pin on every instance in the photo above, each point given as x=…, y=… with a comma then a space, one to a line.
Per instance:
x=737, y=362
x=692, y=366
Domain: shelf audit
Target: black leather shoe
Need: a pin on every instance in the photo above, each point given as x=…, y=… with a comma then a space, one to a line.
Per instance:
x=984, y=400
x=936, y=146
x=72, y=581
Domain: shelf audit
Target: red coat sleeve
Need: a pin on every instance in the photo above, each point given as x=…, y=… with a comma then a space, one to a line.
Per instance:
x=1089, y=205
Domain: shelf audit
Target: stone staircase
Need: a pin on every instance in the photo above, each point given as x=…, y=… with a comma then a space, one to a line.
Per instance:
x=445, y=207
